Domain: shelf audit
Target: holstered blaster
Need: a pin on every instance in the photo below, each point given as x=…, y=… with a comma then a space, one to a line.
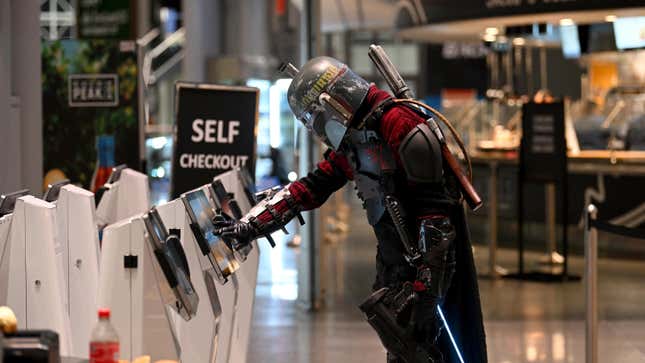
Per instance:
x=401, y=90
x=382, y=310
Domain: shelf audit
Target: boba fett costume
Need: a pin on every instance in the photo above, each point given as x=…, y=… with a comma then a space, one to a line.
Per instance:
x=424, y=256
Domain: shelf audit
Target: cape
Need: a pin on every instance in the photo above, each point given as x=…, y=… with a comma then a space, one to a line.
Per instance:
x=461, y=306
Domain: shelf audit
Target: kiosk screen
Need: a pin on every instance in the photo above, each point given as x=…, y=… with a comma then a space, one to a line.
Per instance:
x=8, y=201
x=218, y=250
x=53, y=190
x=116, y=173
x=172, y=264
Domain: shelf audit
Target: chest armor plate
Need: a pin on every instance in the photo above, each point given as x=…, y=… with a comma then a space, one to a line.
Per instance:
x=369, y=158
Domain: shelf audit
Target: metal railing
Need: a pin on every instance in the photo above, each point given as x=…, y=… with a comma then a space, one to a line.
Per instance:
x=592, y=225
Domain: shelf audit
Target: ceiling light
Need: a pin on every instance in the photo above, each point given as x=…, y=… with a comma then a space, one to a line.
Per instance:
x=566, y=22
x=489, y=38
x=519, y=41
x=492, y=31
x=610, y=18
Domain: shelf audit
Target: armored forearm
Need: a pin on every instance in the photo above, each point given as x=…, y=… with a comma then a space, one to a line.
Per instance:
x=273, y=213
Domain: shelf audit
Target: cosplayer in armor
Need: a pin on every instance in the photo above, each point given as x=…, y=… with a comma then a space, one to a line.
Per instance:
x=393, y=152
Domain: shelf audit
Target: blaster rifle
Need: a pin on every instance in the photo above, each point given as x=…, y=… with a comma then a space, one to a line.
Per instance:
x=404, y=95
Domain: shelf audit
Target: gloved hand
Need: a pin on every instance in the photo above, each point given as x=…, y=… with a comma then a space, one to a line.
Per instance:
x=241, y=233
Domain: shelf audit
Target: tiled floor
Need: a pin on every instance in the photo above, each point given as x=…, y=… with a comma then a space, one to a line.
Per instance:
x=525, y=321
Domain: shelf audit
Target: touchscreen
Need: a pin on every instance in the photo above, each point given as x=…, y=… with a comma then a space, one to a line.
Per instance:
x=201, y=213
x=8, y=201
x=171, y=267
x=53, y=190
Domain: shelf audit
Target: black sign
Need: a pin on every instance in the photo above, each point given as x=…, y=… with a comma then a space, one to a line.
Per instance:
x=106, y=19
x=93, y=90
x=437, y=11
x=215, y=133
x=543, y=150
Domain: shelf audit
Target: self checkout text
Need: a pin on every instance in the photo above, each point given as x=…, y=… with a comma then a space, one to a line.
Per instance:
x=213, y=132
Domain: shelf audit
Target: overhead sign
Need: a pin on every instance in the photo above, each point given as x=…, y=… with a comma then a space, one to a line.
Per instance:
x=543, y=150
x=215, y=133
x=423, y=12
x=104, y=19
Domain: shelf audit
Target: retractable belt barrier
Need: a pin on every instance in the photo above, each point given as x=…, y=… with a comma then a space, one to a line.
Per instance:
x=616, y=229
x=592, y=226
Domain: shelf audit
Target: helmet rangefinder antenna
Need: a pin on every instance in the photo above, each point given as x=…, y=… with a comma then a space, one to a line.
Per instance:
x=288, y=69
x=388, y=71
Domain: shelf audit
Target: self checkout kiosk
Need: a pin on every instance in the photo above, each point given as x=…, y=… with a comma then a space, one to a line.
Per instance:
x=125, y=194
x=30, y=275
x=78, y=240
x=231, y=194
x=129, y=287
x=199, y=291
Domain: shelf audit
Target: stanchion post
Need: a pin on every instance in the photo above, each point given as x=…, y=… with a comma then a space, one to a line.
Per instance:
x=492, y=218
x=591, y=285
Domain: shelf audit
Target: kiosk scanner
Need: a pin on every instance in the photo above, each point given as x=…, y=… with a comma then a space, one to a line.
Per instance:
x=245, y=278
x=238, y=296
x=116, y=173
x=172, y=262
x=199, y=337
x=51, y=194
x=131, y=287
x=8, y=201
x=219, y=251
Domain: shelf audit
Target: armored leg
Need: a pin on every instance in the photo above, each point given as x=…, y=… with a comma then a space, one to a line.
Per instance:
x=436, y=240
x=404, y=310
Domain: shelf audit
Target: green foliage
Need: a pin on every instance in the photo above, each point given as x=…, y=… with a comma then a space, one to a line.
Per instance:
x=69, y=133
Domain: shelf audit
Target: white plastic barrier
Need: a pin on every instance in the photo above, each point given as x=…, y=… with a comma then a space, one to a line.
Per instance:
x=199, y=337
x=220, y=330
x=246, y=280
x=78, y=237
x=124, y=198
x=30, y=272
x=5, y=232
x=128, y=286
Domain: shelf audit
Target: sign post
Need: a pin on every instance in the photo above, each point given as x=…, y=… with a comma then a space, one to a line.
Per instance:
x=543, y=160
x=216, y=132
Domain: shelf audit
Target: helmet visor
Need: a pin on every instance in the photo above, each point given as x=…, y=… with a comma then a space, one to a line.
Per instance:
x=326, y=121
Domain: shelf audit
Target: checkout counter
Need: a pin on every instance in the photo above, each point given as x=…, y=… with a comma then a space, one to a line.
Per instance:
x=599, y=176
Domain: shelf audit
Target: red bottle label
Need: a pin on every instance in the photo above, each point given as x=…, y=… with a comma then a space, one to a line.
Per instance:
x=104, y=352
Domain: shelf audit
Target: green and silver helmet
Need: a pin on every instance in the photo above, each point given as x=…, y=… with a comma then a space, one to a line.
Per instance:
x=325, y=95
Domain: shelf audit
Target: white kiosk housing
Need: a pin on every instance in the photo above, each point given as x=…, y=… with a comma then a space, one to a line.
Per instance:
x=128, y=286
x=219, y=332
x=30, y=276
x=124, y=198
x=79, y=241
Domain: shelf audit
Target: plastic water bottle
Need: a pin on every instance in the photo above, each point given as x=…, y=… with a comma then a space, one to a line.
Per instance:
x=105, y=162
x=104, y=345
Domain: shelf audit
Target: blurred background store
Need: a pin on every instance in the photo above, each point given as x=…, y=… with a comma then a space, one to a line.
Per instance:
x=478, y=61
